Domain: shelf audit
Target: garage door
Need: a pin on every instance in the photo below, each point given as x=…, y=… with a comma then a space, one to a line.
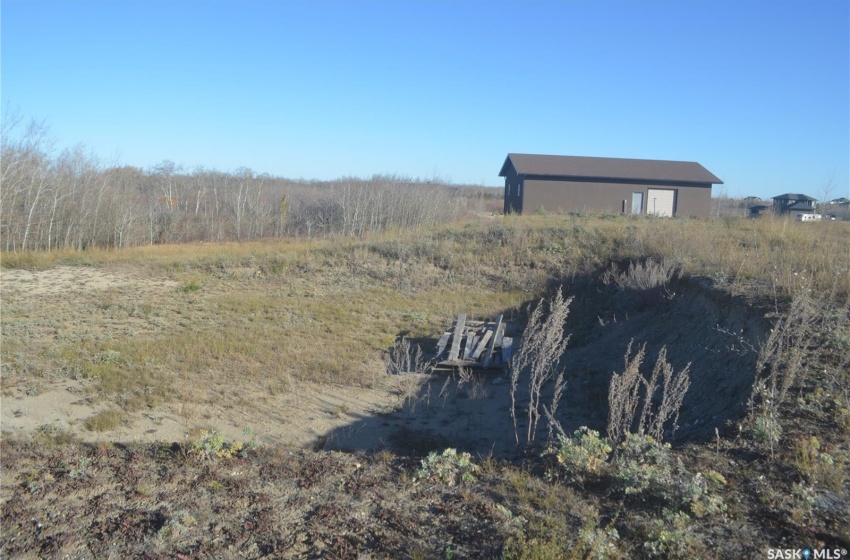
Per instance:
x=661, y=202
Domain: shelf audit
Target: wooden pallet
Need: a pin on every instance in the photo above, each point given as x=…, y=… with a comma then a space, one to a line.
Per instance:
x=474, y=344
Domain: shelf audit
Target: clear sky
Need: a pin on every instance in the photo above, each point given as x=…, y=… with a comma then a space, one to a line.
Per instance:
x=756, y=91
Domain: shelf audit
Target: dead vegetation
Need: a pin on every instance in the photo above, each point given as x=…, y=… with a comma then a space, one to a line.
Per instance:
x=659, y=397
x=539, y=359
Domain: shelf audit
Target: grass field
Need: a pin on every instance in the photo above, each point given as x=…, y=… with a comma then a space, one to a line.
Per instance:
x=253, y=331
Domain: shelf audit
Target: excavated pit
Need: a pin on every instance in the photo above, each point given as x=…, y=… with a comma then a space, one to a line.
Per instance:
x=714, y=332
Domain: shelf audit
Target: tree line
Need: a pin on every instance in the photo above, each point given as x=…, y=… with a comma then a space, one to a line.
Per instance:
x=71, y=199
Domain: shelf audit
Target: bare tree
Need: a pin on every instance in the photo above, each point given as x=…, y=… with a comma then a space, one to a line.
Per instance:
x=71, y=200
x=827, y=189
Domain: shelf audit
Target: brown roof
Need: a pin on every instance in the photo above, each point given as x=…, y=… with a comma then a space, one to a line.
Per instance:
x=609, y=168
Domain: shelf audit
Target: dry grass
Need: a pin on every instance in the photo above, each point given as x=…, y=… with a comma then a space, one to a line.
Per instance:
x=326, y=309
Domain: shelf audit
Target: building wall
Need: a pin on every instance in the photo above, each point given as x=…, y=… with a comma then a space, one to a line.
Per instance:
x=608, y=197
x=513, y=200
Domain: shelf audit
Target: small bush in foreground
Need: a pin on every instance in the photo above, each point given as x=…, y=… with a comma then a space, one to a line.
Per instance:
x=766, y=429
x=819, y=467
x=591, y=541
x=212, y=444
x=643, y=276
x=644, y=467
x=671, y=537
x=450, y=467
x=583, y=453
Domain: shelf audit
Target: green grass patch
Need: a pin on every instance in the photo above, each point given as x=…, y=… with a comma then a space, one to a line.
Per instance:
x=105, y=421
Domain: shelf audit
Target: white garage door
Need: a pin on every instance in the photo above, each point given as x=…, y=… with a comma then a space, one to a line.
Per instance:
x=661, y=202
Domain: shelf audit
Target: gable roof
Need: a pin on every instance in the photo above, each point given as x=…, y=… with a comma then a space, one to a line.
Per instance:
x=794, y=196
x=608, y=168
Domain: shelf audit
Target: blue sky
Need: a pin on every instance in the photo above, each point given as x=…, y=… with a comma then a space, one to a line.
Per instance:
x=756, y=91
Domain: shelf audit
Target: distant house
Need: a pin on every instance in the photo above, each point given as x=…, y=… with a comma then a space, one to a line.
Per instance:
x=791, y=203
x=613, y=185
x=841, y=201
x=759, y=210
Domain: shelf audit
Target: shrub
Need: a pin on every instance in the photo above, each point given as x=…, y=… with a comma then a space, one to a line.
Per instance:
x=644, y=467
x=591, y=541
x=671, y=537
x=212, y=444
x=584, y=453
x=819, y=467
x=450, y=468
x=766, y=429
x=53, y=434
x=107, y=357
x=699, y=493
x=596, y=542
x=177, y=524
x=781, y=361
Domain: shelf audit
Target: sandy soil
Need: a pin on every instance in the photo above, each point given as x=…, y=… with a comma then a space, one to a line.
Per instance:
x=47, y=307
x=414, y=413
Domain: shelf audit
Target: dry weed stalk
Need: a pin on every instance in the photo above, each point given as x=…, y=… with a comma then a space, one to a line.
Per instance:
x=624, y=395
x=403, y=357
x=781, y=360
x=642, y=276
x=630, y=389
x=543, y=344
x=781, y=357
x=477, y=388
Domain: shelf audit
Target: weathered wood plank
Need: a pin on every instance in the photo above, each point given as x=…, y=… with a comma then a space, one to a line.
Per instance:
x=458, y=363
x=471, y=341
x=458, y=334
x=489, y=354
x=507, y=349
x=482, y=344
x=441, y=344
x=500, y=334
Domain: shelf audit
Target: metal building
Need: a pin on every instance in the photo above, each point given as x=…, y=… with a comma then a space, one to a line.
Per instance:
x=608, y=185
